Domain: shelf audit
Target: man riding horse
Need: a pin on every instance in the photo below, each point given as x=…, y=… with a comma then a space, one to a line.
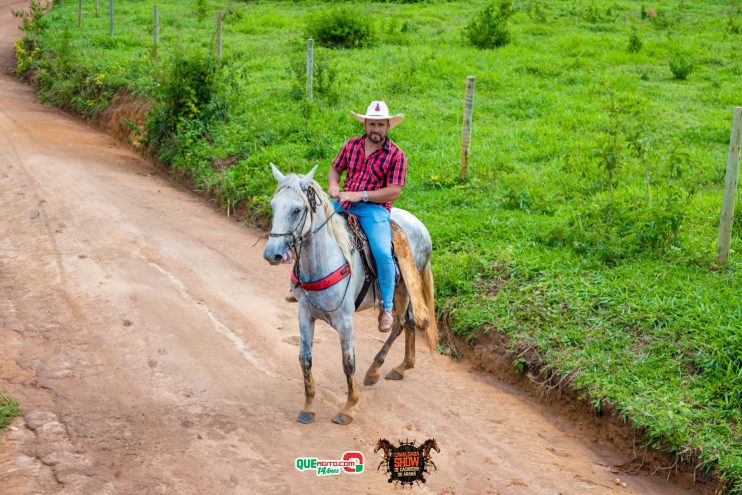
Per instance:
x=329, y=280
x=375, y=174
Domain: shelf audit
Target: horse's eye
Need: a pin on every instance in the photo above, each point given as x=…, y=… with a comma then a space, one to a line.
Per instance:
x=296, y=211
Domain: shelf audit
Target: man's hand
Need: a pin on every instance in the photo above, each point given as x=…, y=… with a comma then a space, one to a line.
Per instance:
x=334, y=190
x=333, y=177
x=352, y=196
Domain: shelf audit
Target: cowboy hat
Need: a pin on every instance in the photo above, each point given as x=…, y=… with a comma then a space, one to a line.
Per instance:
x=378, y=110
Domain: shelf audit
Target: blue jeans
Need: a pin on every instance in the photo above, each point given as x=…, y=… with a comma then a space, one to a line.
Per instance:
x=375, y=222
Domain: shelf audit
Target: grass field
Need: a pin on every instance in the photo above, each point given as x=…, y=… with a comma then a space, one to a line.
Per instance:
x=586, y=229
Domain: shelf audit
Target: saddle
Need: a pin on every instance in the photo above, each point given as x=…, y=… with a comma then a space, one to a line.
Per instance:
x=361, y=244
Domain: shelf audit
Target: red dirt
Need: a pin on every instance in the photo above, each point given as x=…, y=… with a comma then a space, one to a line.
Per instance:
x=124, y=118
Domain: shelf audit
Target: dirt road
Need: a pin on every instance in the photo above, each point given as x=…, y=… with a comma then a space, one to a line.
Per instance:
x=149, y=344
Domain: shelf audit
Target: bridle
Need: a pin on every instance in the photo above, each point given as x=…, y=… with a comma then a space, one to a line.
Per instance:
x=313, y=201
x=295, y=239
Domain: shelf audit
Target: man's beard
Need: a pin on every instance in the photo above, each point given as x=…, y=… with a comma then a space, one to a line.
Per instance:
x=375, y=137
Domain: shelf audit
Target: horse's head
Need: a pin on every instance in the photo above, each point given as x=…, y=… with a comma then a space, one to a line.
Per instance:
x=290, y=214
x=382, y=444
x=431, y=444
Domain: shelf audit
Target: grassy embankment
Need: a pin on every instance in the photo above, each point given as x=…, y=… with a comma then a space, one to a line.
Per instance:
x=587, y=227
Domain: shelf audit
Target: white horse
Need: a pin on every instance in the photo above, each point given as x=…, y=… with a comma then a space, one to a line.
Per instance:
x=306, y=228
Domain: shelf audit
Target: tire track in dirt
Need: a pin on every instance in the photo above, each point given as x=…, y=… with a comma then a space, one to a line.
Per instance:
x=10, y=158
x=218, y=326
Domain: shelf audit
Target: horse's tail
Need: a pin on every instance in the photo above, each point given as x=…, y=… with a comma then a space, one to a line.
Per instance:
x=431, y=331
x=419, y=288
x=411, y=278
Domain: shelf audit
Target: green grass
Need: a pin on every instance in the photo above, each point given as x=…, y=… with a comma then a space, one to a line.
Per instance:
x=9, y=409
x=587, y=226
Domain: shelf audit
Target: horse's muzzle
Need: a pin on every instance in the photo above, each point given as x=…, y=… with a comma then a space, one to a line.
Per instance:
x=276, y=258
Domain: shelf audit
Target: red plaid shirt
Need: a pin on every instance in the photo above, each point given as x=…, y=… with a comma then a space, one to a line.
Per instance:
x=385, y=166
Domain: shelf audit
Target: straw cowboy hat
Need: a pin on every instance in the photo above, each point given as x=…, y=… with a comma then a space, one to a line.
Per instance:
x=378, y=110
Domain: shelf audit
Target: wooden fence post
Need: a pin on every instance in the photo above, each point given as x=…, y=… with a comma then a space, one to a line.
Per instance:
x=219, y=35
x=730, y=189
x=110, y=16
x=157, y=29
x=310, y=69
x=79, y=13
x=466, y=127
x=96, y=8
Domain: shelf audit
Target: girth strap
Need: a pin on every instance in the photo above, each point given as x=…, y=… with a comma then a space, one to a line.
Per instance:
x=367, y=281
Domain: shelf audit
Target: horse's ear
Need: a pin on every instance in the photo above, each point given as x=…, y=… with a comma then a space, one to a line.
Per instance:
x=307, y=179
x=277, y=173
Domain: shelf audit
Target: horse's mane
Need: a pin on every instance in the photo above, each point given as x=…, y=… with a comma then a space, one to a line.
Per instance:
x=336, y=226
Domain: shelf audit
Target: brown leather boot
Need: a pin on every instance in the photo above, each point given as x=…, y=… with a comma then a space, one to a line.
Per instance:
x=385, y=321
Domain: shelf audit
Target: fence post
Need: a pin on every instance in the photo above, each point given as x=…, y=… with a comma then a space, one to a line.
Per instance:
x=157, y=29
x=96, y=8
x=730, y=189
x=110, y=16
x=466, y=127
x=79, y=13
x=219, y=35
x=310, y=69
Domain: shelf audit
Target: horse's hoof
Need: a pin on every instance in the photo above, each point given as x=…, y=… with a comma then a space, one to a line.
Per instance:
x=342, y=419
x=394, y=375
x=305, y=417
x=369, y=380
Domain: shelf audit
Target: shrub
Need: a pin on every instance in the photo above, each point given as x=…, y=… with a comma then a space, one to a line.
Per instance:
x=201, y=9
x=681, y=65
x=591, y=14
x=538, y=14
x=9, y=409
x=621, y=219
x=623, y=224
x=661, y=20
x=396, y=31
x=489, y=28
x=33, y=21
x=324, y=78
x=635, y=43
x=188, y=91
x=341, y=27
x=190, y=85
x=733, y=26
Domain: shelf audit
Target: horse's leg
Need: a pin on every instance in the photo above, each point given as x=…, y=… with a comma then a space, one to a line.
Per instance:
x=306, y=329
x=409, y=349
x=409, y=354
x=345, y=330
x=372, y=375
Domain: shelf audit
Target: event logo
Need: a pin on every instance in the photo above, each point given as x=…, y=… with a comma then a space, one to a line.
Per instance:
x=351, y=463
x=407, y=464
